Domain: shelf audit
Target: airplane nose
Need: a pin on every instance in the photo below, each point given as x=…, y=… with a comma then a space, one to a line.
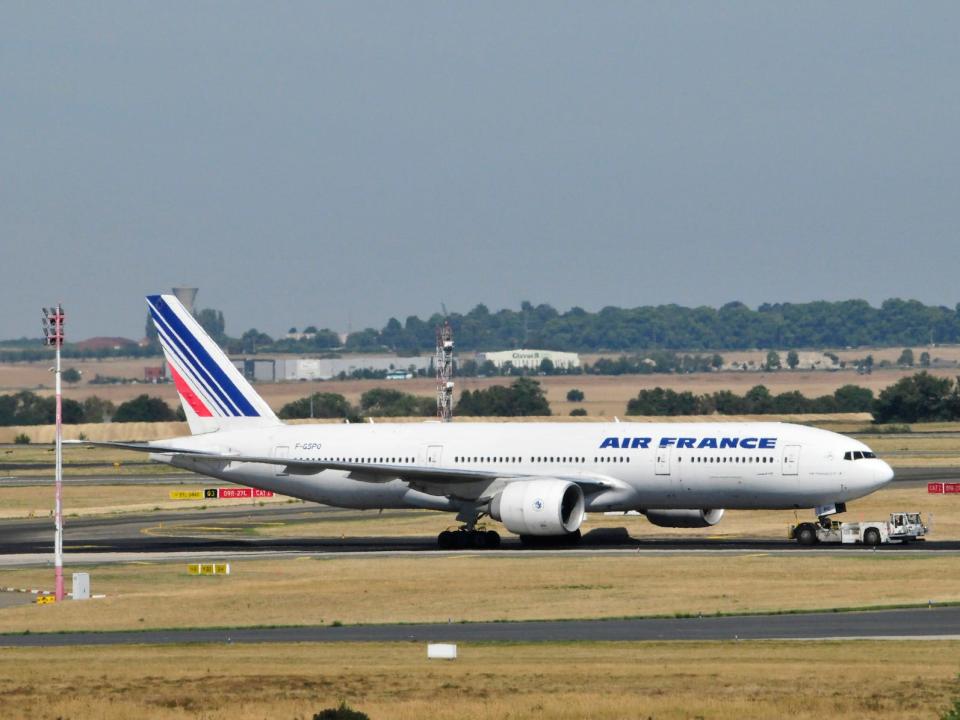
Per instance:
x=883, y=473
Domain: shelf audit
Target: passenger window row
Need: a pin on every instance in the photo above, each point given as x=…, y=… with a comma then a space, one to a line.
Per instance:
x=723, y=459
x=367, y=460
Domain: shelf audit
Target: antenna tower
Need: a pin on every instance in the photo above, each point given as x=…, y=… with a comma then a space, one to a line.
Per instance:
x=444, y=367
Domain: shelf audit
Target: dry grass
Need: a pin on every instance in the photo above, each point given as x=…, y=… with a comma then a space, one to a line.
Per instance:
x=98, y=432
x=916, y=449
x=371, y=589
x=667, y=681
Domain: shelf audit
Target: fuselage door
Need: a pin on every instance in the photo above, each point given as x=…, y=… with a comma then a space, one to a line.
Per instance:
x=434, y=454
x=281, y=451
x=663, y=461
x=791, y=459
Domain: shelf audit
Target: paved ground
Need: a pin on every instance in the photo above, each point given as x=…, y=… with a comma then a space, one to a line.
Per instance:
x=926, y=623
x=150, y=535
x=161, y=535
x=12, y=599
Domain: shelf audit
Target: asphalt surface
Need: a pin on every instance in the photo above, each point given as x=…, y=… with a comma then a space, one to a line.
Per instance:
x=189, y=533
x=923, y=623
x=13, y=480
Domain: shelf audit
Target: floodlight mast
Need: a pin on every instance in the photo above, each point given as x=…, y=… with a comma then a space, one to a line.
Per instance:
x=53, y=333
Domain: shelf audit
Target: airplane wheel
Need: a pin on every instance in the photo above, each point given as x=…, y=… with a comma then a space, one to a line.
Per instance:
x=446, y=540
x=492, y=538
x=806, y=535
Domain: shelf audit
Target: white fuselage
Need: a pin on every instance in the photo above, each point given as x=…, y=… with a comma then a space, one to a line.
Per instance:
x=641, y=465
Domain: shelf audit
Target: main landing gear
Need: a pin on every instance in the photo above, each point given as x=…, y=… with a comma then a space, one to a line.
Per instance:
x=466, y=538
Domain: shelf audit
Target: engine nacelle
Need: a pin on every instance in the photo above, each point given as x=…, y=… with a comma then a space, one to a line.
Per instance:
x=684, y=518
x=539, y=507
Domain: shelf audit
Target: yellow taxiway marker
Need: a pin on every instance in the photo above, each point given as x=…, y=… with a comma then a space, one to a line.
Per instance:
x=186, y=494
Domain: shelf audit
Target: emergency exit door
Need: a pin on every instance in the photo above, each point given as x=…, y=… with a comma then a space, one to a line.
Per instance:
x=791, y=460
x=434, y=454
x=663, y=461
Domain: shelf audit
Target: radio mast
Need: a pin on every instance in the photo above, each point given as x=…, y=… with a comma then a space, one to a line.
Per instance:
x=444, y=367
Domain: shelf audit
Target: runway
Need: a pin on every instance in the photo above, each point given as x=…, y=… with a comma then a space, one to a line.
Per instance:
x=935, y=623
x=185, y=534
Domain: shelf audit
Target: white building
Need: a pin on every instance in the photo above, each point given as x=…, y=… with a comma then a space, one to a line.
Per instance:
x=291, y=369
x=531, y=359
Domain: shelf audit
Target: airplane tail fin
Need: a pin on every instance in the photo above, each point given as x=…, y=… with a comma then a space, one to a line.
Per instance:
x=215, y=396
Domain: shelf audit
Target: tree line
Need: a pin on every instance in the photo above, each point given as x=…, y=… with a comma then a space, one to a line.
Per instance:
x=758, y=400
x=28, y=408
x=523, y=396
x=919, y=398
x=734, y=326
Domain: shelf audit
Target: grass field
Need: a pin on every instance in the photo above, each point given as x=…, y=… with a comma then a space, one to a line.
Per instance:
x=370, y=589
x=666, y=681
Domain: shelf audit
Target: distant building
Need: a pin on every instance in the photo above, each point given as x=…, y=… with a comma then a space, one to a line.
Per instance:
x=300, y=335
x=155, y=374
x=105, y=343
x=531, y=359
x=293, y=369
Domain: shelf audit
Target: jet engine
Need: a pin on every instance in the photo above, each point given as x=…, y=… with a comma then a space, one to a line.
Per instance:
x=684, y=518
x=539, y=507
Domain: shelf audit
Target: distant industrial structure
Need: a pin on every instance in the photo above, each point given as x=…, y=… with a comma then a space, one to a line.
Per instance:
x=293, y=369
x=187, y=296
x=530, y=359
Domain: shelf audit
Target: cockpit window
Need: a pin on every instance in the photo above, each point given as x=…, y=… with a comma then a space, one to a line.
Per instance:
x=859, y=455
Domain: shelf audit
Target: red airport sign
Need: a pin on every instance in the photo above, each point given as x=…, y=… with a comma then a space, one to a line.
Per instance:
x=234, y=493
x=942, y=488
x=934, y=488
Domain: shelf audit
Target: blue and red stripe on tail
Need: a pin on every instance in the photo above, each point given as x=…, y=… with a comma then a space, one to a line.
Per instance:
x=214, y=394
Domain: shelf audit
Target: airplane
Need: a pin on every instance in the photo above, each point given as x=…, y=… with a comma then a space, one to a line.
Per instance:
x=537, y=479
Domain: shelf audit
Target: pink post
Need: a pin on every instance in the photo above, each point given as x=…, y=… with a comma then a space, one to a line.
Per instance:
x=53, y=329
x=58, y=554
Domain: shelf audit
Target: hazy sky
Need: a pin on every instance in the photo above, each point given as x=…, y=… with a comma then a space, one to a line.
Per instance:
x=342, y=162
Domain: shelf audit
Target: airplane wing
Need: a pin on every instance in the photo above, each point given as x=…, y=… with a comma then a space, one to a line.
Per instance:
x=371, y=472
